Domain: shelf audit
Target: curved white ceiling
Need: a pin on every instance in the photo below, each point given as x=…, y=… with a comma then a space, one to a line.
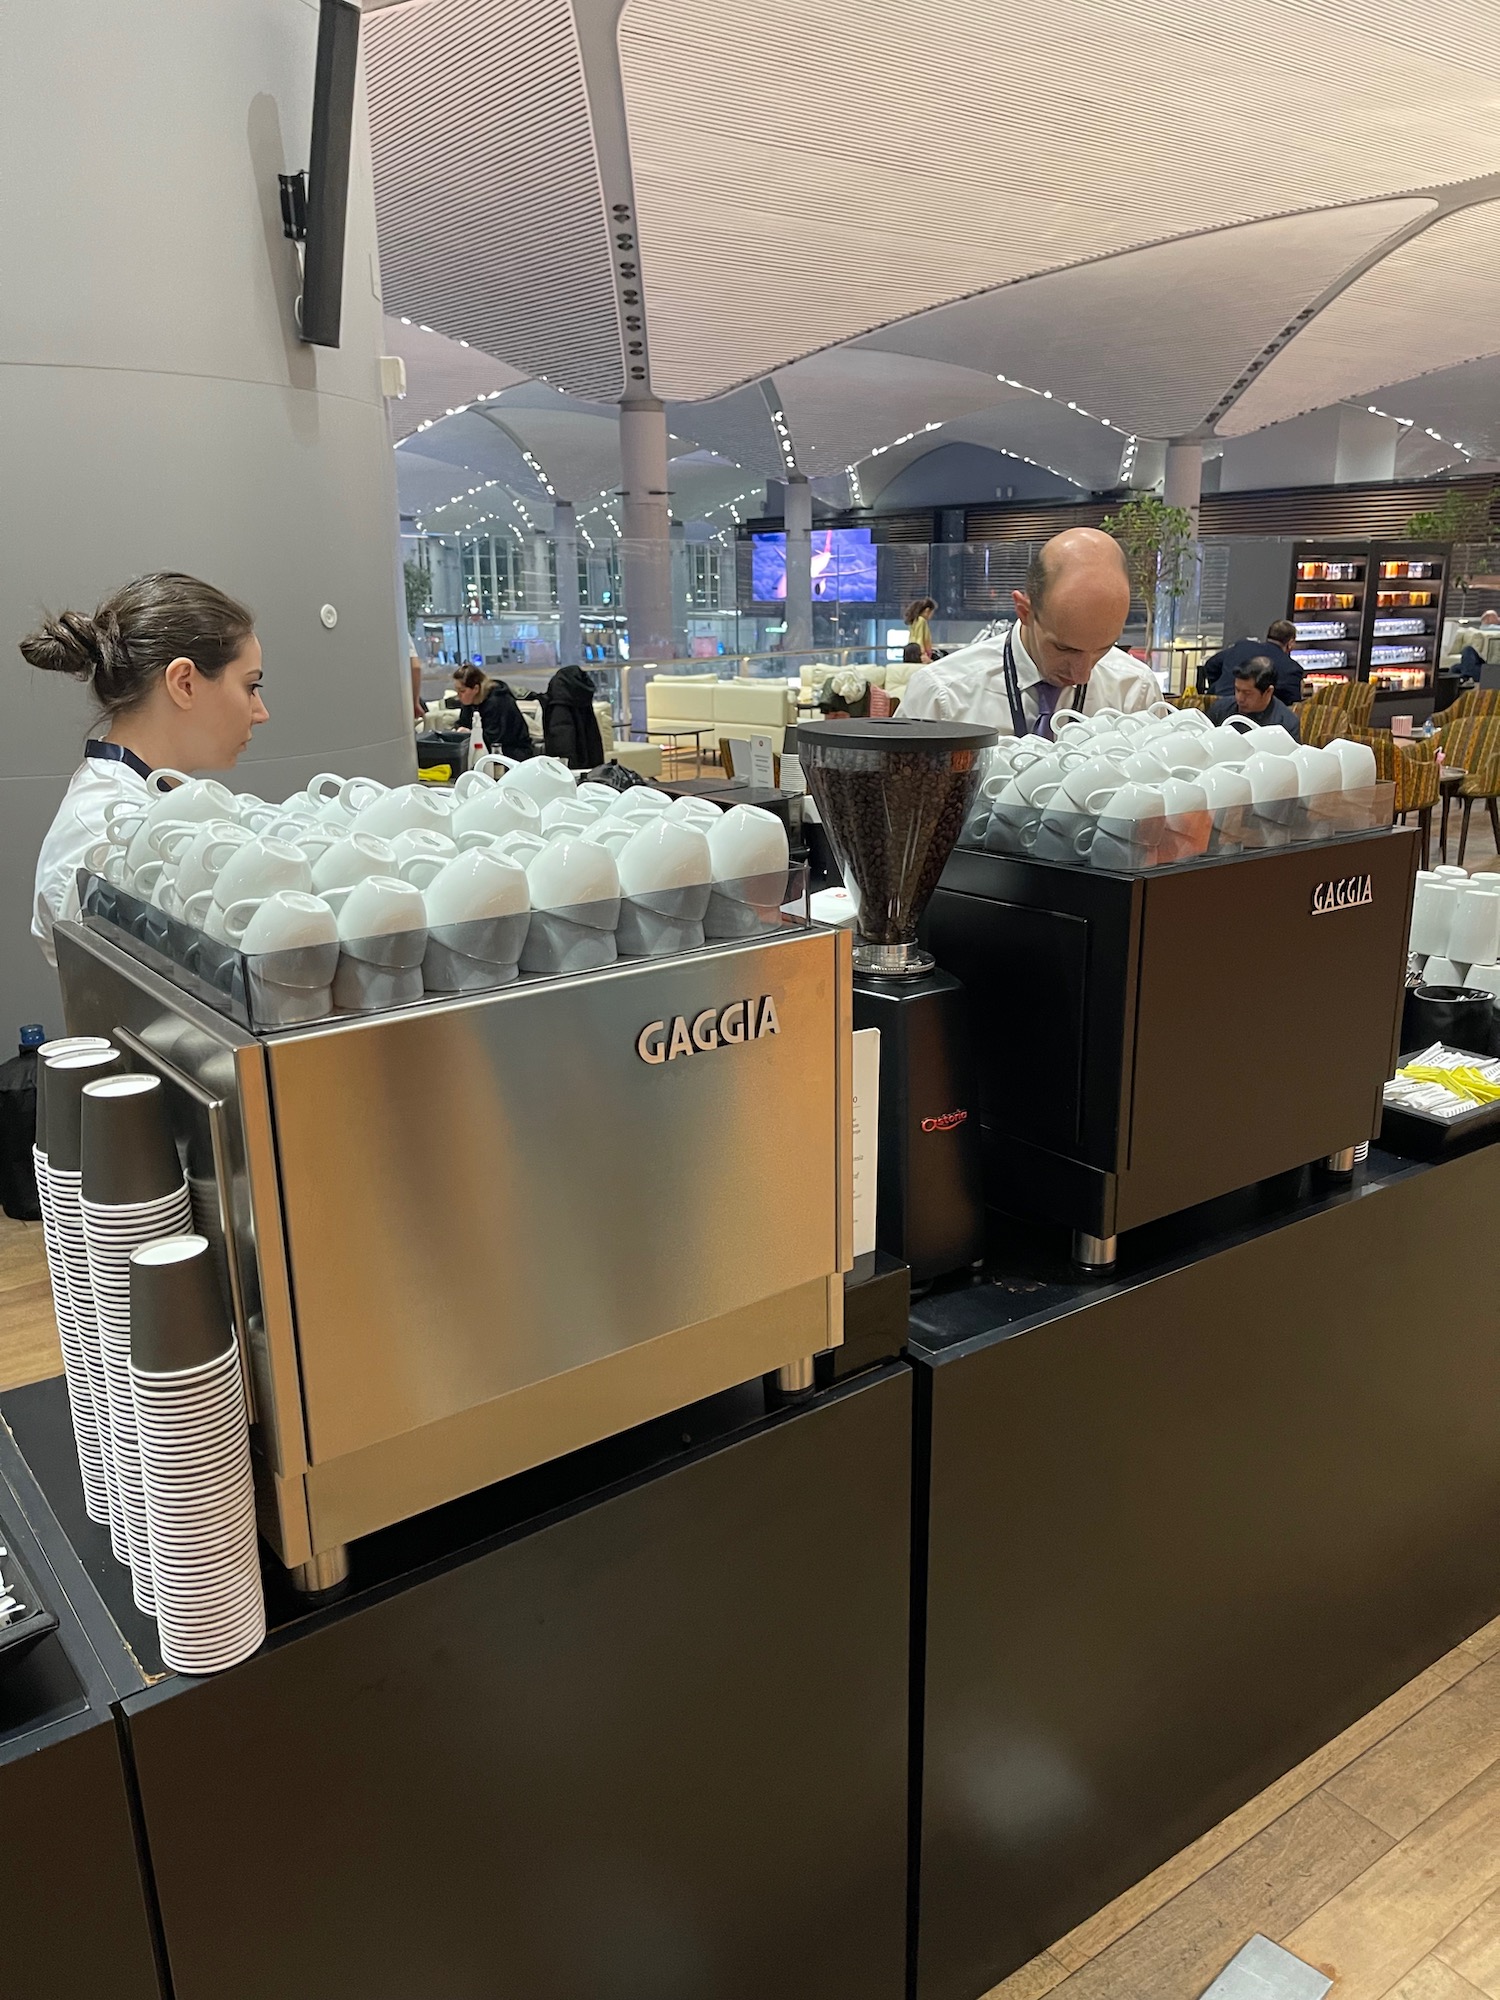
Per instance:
x=930, y=162
x=844, y=406
x=441, y=375
x=1432, y=303
x=1153, y=338
x=487, y=192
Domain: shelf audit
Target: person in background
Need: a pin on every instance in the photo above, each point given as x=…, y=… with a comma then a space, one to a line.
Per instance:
x=501, y=720
x=1255, y=696
x=175, y=668
x=570, y=728
x=1471, y=662
x=1061, y=652
x=919, y=625
x=1216, y=675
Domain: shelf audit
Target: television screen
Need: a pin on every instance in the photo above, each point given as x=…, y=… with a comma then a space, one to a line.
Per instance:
x=843, y=567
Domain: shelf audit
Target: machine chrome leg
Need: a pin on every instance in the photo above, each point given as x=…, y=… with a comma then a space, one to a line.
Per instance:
x=1341, y=1163
x=796, y=1378
x=328, y=1570
x=1095, y=1253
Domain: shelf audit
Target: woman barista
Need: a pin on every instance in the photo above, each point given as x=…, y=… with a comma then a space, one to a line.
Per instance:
x=175, y=668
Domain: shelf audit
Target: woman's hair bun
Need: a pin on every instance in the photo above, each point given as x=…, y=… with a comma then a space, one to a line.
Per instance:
x=70, y=644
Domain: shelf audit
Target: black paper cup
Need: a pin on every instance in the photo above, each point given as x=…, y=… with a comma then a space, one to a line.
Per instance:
x=176, y=1308
x=1460, y=1016
x=66, y=1076
x=125, y=1142
x=65, y=1045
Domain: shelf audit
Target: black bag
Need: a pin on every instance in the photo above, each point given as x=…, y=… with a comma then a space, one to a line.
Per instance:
x=18, y=1195
x=617, y=776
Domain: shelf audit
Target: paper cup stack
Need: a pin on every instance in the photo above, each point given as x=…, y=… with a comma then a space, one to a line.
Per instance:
x=195, y=1459
x=80, y=1395
x=66, y=1077
x=133, y=1193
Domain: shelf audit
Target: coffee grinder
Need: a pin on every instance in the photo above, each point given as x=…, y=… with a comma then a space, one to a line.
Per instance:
x=893, y=797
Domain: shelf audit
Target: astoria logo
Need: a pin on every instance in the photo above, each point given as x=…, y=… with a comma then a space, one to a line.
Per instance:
x=714, y=1028
x=1349, y=892
x=948, y=1122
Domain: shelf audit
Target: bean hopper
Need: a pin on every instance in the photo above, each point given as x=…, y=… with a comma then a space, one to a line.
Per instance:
x=893, y=796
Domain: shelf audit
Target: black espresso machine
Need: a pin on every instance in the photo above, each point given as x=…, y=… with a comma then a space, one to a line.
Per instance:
x=1150, y=1037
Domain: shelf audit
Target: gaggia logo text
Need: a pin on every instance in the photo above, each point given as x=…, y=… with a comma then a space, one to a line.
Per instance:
x=948, y=1122
x=714, y=1028
x=1349, y=892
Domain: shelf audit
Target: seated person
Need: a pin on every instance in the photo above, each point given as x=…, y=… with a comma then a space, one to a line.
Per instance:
x=1471, y=662
x=1216, y=675
x=500, y=719
x=1255, y=695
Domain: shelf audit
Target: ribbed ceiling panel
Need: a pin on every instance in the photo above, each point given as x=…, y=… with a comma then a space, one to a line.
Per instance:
x=845, y=405
x=914, y=182
x=1432, y=303
x=1152, y=339
x=492, y=222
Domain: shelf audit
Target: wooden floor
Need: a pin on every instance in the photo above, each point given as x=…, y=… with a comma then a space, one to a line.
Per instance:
x=28, y=1332
x=1378, y=1860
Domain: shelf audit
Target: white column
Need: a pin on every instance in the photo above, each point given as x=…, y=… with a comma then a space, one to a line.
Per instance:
x=569, y=616
x=1184, y=478
x=798, y=517
x=219, y=443
x=646, y=558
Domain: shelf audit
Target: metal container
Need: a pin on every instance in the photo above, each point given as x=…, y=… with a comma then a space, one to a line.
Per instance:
x=464, y=1238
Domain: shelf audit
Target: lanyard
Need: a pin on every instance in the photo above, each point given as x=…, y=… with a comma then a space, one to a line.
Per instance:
x=1018, y=723
x=105, y=752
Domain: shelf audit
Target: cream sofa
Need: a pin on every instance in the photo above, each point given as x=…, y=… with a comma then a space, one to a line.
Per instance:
x=718, y=708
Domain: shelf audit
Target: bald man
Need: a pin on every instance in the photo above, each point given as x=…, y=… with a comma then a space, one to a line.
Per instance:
x=1060, y=653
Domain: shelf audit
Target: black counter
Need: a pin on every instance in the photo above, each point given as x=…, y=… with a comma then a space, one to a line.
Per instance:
x=1179, y=1529
x=635, y=1726
x=632, y=1725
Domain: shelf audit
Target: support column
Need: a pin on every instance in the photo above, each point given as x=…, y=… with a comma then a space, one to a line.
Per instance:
x=646, y=556
x=1184, y=478
x=569, y=615
x=798, y=515
x=680, y=587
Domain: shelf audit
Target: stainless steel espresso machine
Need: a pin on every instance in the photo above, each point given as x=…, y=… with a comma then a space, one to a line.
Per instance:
x=659, y=1153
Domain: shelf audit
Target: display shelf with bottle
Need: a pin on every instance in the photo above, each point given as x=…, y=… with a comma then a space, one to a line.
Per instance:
x=1369, y=612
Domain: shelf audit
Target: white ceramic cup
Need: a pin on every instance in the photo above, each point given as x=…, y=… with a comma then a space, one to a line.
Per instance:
x=1183, y=747
x=1474, y=934
x=1320, y=771
x=640, y=799
x=1272, y=778
x=353, y=859
x=1434, y=906
x=259, y=869
x=287, y=921
x=702, y=813
x=1078, y=784
x=205, y=854
x=573, y=875
x=541, y=778
x=1223, y=787
x=1145, y=766
x=380, y=906
x=664, y=854
x=420, y=854
x=477, y=885
x=565, y=819
x=1356, y=762
x=747, y=843
x=1271, y=740
x=404, y=810
x=497, y=809
x=601, y=797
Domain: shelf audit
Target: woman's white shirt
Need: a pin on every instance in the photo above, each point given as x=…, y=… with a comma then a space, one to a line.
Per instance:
x=94, y=787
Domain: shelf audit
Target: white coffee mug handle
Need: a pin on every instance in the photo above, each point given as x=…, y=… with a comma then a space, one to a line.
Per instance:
x=364, y=790
x=324, y=788
x=216, y=854
x=236, y=919
x=166, y=780
x=96, y=859
x=1068, y=718
x=477, y=837
x=168, y=842
x=419, y=869
x=126, y=814
x=529, y=844
x=197, y=907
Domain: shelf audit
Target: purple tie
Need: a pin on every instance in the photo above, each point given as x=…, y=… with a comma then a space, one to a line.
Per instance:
x=1046, y=701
